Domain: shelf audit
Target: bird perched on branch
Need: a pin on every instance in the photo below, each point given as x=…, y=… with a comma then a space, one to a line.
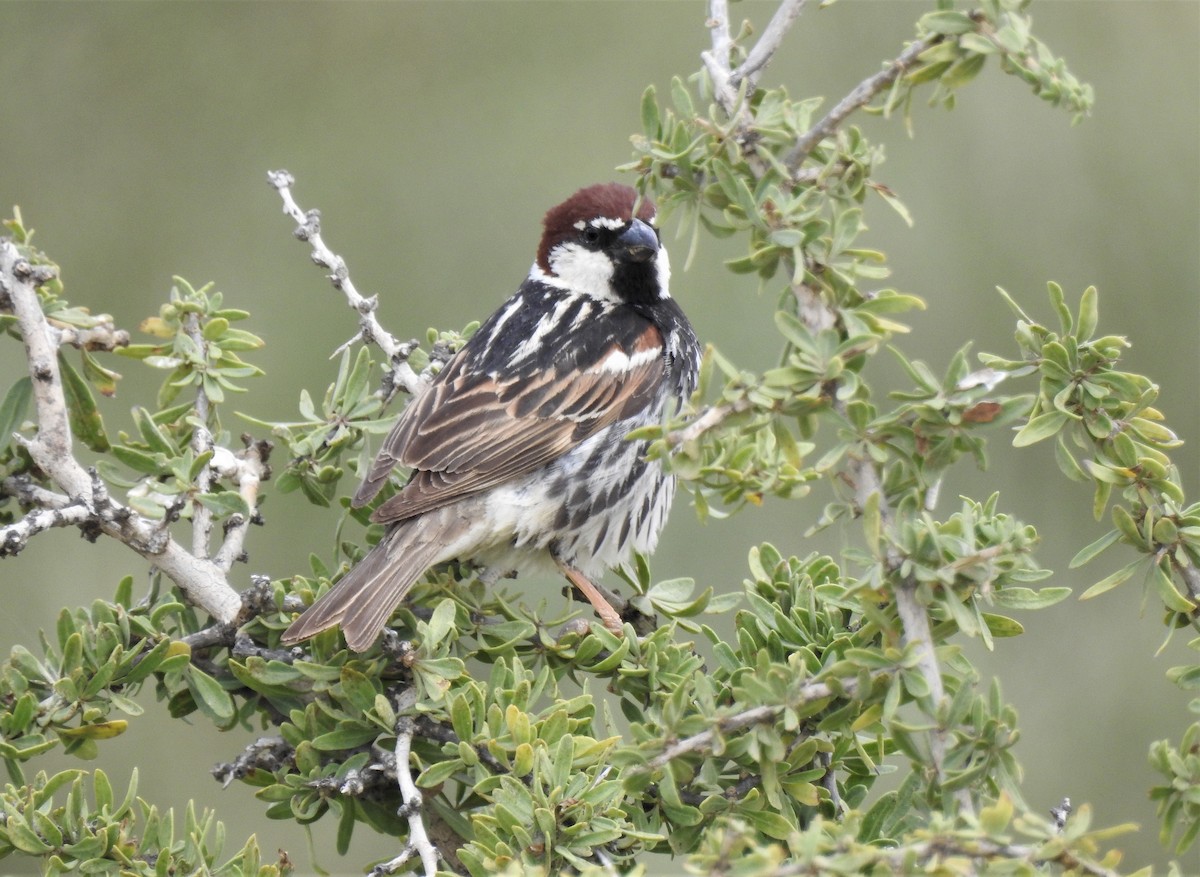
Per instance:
x=517, y=449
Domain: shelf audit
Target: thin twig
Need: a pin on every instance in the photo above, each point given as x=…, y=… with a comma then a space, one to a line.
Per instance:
x=768, y=44
x=16, y=536
x=309, y=229
x=860, y=96
x=717, y=60
x=248, y=471
x=31, y=495
x=102, y=336
x=709, y=418
x=418, y=840
x=53, y=452
x=1190, y=576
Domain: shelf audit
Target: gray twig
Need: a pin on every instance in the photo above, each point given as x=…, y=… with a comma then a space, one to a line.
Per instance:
x=370, y=330
x=709, y=418
x=768, y=44
x=860, y=96
x=16, y=536
x=418, y=839
x=247, y=470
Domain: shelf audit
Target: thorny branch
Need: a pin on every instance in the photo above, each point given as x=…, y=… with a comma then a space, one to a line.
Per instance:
x=53, y=452
x=309, y=229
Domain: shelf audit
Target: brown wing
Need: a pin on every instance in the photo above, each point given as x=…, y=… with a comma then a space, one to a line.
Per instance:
x=468, y=431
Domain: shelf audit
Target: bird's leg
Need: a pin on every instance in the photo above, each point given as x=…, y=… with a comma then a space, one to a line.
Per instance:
x=608, y=615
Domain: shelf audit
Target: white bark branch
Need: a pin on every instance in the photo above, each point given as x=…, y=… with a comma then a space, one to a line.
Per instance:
x=418, y=839
x=717, y=60
x=247, y=471
x=768, y=44
x=15, y=537
x=51, y=449
x=103, y=336
x=309, y=229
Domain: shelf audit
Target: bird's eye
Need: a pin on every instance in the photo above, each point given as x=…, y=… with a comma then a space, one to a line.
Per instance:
x=590, y=235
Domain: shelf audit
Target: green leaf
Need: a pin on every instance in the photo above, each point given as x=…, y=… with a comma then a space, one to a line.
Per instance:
x=439, y=624
x=348, y=736
x=1039, y=428
x=1111, y=581
x=358, y=689
x=949, y=22
x=213, y=700
x=769, y=823
x=103, y=379
x=1027, y=598
x=1002, y=625
x=225, y=504
x=1089, y=314
x=86, y=422
x=1090, y=551
x=650, y=117
x=1168, y=592
x=13, y=408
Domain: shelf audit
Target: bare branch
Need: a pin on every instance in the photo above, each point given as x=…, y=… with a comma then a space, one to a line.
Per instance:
x=859, y=97
x=51, y=449
x=370, y=330
x=15, y=537
x=102, y=336
x=717, y=60
x=768, y=44
x=31, y=495
x=418, y=840
x=247, y=470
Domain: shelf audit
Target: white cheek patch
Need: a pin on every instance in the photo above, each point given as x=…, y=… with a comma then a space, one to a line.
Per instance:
x=581, y=270
x=663, y=265
x=618, y=361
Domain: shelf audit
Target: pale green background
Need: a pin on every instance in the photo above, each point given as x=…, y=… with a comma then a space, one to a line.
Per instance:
x=136, y=138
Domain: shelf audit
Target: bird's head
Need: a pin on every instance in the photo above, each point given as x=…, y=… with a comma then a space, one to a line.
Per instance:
x=602, y=242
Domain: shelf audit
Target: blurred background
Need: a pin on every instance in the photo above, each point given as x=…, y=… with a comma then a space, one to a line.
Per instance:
x=434, y=135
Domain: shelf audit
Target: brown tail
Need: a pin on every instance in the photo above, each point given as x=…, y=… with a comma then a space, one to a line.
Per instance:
x=364, y=599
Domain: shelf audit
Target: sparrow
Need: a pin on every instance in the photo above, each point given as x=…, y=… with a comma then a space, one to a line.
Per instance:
x=517, y=449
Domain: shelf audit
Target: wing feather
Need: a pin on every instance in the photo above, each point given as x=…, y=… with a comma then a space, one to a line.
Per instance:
x=469, y=431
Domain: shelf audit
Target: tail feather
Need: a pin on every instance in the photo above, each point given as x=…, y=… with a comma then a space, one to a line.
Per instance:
x=364, y=599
